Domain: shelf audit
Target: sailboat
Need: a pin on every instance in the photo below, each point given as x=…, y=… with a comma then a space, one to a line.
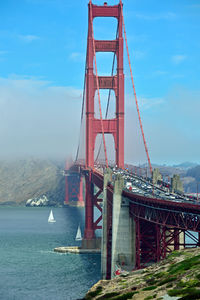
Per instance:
x=51, y=217
x=78, y=234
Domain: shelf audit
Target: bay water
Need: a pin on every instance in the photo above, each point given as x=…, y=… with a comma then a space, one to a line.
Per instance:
x=29, y=268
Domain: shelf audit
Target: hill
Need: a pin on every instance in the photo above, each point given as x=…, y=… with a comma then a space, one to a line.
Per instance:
x=194, y=172
x=21, y=180
x=193, y=175
x=177, y=276
x=186, y=165
x=188, y=172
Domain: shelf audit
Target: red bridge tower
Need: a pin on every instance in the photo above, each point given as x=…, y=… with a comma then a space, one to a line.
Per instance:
x=96, y=126
x=112, y=126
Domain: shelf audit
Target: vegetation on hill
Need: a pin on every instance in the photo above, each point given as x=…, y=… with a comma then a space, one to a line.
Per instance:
x=176, y=276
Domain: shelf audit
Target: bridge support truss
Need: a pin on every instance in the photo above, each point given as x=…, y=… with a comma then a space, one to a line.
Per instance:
x=73, y=188
x=162, y=229
x=93, y=196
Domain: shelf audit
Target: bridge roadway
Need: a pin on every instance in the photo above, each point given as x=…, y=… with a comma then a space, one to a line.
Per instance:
x=151, y=202
x=141, y=186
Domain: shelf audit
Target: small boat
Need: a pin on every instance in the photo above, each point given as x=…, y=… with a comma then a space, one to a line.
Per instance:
x=78, y=234
x=51, y=217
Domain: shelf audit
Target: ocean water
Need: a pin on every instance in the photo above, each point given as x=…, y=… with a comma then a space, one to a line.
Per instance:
x=29, y=268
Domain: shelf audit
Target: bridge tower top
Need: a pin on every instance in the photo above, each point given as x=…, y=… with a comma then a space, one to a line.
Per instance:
x=94, y=83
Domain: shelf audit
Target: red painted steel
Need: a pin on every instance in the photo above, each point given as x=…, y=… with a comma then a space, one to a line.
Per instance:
x=73, y=186
x=73, y=189
x=66, y=191
x=66, y=183
x=80, y=195
x=154, y=242
x=99, y=126
x=97, y=201
x=95, y=82
x=97, y=85
x=89, y=211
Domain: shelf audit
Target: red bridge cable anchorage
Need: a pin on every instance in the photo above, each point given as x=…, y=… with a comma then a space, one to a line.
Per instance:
x=136, y=101
x=97, y=83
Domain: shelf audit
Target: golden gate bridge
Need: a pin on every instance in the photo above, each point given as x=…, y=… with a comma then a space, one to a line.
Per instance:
x=141, y=224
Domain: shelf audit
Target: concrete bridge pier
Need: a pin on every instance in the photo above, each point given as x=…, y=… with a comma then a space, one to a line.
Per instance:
x=123, y=233
x=104, y=238
x=118, y=244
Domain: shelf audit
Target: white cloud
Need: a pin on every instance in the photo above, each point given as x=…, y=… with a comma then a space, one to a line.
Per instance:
x=172, y=130
x=144, y=103
x=3, y=52
x=170, y=127
x=156, y=17
x=148, y=103
x=76, y=56
x=178, y=75
x=29, y=38
x=194, y=6
x=2, y=55
x=137, y=54
x=179, y=58
x=138, y=38
x=38, y=119
x=159, y=73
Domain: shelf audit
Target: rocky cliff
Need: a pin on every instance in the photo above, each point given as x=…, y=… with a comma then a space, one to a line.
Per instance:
x=21, y=180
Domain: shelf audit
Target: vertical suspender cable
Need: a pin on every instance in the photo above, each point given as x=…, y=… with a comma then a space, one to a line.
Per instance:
x=97, y=83
x=109, y=94
x=136, y=101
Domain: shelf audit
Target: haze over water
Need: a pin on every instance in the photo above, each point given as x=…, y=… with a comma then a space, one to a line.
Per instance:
x=29, y=269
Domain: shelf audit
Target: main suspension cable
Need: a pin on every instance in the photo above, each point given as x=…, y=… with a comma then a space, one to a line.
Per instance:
x=82, y=109
x=97, y=84
x=136, y=101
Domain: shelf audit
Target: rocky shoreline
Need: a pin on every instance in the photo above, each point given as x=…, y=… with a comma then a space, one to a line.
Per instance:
x=176, y=277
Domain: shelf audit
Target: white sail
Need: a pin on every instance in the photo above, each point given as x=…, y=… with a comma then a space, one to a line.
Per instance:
x=51, y=217
x=78, y=234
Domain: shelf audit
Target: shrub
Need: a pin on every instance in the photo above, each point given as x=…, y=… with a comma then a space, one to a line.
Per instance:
x=108, y=296
x=148, y=298
x=167, y=280
x=184, y=265
x=149, y=288
x=195, y=295
x=124, y=296
x=198, y=276
x=185, y=291
x=93, y=294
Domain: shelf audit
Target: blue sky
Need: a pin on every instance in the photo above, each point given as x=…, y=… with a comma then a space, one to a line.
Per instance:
x=42, y=58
